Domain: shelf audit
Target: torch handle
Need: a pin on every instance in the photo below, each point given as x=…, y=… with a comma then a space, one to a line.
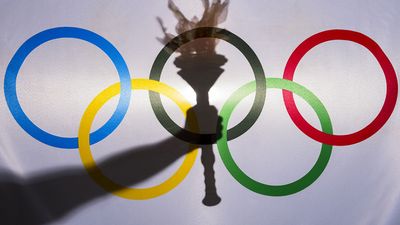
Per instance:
x=208, y=159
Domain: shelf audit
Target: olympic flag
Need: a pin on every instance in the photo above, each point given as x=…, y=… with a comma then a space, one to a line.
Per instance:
x=282, y=112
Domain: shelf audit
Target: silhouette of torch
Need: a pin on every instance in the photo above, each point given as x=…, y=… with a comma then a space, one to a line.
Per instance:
x=200, y=66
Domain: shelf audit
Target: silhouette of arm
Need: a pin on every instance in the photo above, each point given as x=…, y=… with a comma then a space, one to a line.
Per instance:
x=47, y=197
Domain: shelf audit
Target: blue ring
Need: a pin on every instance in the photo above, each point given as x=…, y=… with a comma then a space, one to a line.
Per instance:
x=15, y=64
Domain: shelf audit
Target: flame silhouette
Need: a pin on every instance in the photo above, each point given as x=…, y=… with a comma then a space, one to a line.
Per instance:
x=213, y=15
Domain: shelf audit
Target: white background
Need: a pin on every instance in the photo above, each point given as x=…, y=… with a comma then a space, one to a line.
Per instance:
x=58, y=80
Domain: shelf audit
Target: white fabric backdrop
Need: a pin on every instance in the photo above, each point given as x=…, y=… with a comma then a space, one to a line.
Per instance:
x=360, y=185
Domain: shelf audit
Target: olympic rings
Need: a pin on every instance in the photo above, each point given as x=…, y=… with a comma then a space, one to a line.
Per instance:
x=384, y=62
x=87, y=157
x=239, y=175
x=85, y=139
x=15, y=64
x=244, y=48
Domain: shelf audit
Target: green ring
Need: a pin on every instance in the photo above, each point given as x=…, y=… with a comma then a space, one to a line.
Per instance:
x=258, y=187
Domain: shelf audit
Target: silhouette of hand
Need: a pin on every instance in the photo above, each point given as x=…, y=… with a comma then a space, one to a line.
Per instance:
x=204, y=119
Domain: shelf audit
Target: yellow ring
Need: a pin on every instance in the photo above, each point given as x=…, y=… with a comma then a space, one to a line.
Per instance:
x=90, y=164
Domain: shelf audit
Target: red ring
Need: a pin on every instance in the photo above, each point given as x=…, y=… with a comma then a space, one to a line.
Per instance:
x=384, y=62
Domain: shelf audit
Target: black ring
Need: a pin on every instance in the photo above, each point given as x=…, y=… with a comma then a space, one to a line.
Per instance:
x=244, y=48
